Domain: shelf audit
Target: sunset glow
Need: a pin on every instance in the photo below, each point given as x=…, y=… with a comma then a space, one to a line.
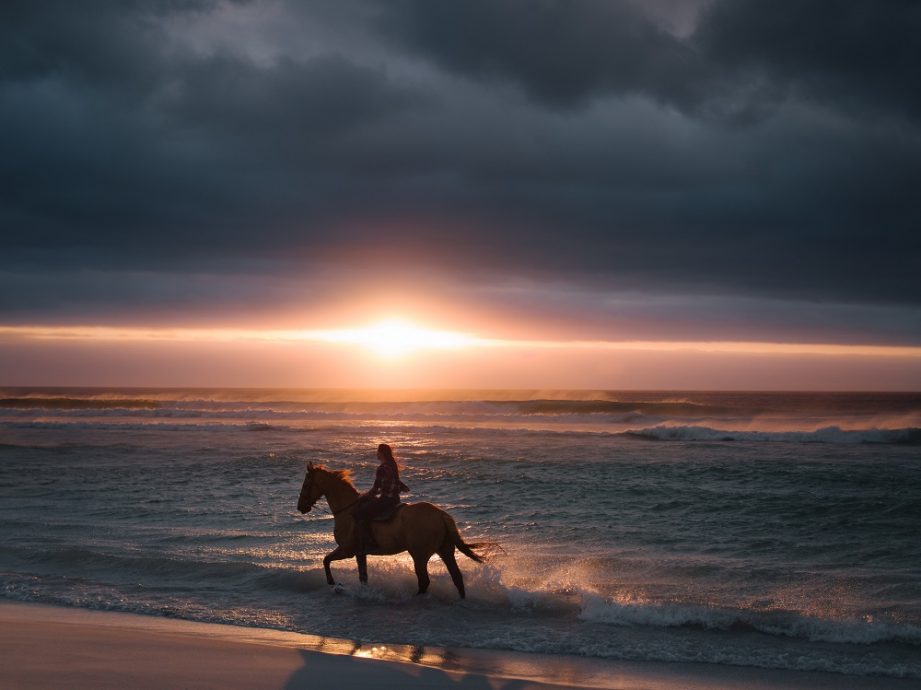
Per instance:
x=396, y=338
x=393, y=338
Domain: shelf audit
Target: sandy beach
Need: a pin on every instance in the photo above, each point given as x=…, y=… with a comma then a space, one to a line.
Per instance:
x=52, y=647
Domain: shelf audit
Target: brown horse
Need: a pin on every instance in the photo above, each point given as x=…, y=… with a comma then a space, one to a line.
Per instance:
x=420, y=528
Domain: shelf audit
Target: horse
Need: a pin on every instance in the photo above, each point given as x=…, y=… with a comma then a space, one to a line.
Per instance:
x=422, y=529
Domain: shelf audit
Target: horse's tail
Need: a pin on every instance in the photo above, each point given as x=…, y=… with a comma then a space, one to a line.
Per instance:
x=455, y=538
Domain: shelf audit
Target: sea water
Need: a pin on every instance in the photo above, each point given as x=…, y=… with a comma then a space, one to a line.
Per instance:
x=770, y=530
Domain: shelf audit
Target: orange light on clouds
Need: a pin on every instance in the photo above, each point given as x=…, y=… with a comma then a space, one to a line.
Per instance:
x=395, y=338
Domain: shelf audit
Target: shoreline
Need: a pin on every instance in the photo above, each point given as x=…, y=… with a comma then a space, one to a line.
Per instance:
x=44, y=646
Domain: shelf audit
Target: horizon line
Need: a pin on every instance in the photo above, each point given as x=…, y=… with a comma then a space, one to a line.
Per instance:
x=447, y=340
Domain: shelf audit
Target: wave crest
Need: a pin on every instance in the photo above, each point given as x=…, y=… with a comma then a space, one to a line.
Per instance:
x=783, y=623
x=77, y=403
x=831, y=434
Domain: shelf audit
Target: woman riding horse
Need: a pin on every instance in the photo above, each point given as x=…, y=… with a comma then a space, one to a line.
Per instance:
x=382, y=498
x=422, y=529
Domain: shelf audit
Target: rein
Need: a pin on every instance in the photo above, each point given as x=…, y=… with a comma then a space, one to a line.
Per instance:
x=334, y=512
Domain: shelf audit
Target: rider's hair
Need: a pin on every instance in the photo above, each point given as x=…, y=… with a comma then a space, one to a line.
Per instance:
x=388, y=453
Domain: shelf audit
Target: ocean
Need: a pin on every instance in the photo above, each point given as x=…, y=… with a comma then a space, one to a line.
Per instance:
x=768, y=530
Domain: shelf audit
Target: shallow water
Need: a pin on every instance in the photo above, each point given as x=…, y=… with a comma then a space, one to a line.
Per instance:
x=769, y=530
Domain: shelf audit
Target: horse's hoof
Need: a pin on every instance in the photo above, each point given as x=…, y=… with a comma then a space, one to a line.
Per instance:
x=338, y=588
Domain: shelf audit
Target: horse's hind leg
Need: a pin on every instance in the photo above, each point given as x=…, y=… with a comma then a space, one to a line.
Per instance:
x=422, y=571
x=362, y=560
x=447, y=555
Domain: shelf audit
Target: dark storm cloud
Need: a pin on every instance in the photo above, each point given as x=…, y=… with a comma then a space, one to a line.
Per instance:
x=856, y=56
x=743, y=57
x=767, y=152
x=562, y=53
x=136, y=143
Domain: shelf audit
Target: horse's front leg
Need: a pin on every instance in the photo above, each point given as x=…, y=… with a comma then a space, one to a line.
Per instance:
x=362, y=560
x=339, y=554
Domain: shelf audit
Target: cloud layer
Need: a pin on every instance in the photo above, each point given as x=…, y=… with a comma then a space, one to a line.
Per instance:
x=751, y=168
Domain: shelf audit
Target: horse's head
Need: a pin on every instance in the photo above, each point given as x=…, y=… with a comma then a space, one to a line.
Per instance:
x=312, y=488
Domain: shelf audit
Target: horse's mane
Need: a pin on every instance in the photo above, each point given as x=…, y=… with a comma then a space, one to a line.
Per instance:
x=344, y=475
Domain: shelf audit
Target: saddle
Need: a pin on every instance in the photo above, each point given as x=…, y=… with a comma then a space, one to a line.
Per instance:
x=389, y=515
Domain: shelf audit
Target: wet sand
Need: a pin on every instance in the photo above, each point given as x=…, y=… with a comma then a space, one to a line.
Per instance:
x=51, y=647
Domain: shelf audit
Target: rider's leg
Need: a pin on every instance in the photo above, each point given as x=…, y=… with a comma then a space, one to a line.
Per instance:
x=362, y=514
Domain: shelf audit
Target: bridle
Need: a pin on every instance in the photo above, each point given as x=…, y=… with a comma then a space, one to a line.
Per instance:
x=302, y=497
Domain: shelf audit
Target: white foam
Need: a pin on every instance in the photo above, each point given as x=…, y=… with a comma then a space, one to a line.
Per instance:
x=784, y=623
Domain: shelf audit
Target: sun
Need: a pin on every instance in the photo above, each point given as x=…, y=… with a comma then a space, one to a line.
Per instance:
x=394, y=338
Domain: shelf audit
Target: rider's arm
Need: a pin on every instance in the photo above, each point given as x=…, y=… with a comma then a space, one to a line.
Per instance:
x=376, y=488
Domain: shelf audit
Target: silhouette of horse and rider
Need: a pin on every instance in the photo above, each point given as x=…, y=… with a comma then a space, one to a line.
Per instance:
x=376, y=523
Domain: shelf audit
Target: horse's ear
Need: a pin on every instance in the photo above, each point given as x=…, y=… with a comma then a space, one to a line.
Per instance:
x=309, y=466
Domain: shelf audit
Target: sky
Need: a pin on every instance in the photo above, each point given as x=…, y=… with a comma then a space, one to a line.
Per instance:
x=659, y=194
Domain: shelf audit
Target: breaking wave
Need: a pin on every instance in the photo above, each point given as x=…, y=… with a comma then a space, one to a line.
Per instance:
x=422, y=409
x=487, y=590
x=491, y=607
x=784, y=623
x=907, y=436
x=831, y=434
x=76, y=403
